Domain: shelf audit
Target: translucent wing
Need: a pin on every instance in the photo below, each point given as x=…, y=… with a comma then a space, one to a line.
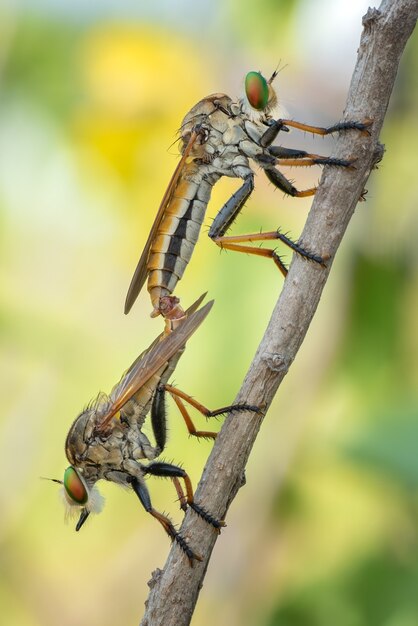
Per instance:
x=192, y=308
x=150, y=362
x=141, y=271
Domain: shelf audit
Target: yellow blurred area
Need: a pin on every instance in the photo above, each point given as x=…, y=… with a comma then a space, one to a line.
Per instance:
x=126, y=73
x=128, y=70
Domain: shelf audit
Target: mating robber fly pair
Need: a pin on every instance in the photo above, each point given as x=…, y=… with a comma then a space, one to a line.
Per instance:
x=219, y=136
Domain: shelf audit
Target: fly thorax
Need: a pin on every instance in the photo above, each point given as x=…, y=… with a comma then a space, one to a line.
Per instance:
x=201, y=150
x=102, y=453
x=133, y=413
x=117, y=476
x=78, y=438
x=203, y=110
x=209, y=178
x=135, y=444
x=143, y=449
x=90, y=473
x=90, y=419
x=234, y=133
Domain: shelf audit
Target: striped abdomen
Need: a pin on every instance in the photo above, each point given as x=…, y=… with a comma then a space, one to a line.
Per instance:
x=178, y=232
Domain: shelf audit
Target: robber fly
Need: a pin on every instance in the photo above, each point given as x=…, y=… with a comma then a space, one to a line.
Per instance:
x=106, y=440
x=218, y=138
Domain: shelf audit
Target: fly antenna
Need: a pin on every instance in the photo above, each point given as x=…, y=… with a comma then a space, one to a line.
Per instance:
x=277, y=71
x=54, y=480
x=174, y=143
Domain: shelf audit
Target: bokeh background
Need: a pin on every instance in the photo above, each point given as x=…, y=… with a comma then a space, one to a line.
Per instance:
x=325, y=530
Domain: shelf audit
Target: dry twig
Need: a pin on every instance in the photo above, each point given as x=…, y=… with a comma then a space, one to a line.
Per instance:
x=174, y=590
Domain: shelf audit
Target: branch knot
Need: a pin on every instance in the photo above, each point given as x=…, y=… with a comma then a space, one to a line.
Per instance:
x=277, y=362
x=370, y=18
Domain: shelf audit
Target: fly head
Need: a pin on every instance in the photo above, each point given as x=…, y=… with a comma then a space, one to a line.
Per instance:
x=260, y=97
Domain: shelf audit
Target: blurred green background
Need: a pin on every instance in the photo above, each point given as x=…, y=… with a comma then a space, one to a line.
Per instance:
x=325, y=530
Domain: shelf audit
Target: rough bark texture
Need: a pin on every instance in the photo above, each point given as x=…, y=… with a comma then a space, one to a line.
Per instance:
x=174, y=590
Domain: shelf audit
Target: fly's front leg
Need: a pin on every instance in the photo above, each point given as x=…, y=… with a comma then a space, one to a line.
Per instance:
x=276, y=126
x=167, y=470
x=180, y=397
x=143, y=494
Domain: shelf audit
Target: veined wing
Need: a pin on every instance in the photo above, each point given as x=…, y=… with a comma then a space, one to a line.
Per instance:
x=152, y=360
x=192, y=308
x=141, y=271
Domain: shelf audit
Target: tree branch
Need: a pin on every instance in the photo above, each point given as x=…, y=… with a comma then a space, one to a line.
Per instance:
x=174, y=590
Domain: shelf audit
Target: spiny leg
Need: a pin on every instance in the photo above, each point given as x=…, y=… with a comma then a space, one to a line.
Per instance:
x=223, y=242
x=144, y=497
x=226, y=217
x=167, y=470
x=362, y=127
x=297, y=158
x=178, y=397
x=281, y=182
x=234, y=243
x=231, y=208
x=296, y=247
x=288, y=156
x=316, y=160
x=159, y=419
x=180, y=493
x=228, y=213
x=277, y=125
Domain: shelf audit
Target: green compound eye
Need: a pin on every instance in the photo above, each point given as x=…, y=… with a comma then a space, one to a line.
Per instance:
x=256, y=90
x=74, y=486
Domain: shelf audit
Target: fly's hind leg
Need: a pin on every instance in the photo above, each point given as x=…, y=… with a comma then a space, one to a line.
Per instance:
x=236, y=243
x=168, y=470
x=230, y=210
x=225, y=218
x=180, y=398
